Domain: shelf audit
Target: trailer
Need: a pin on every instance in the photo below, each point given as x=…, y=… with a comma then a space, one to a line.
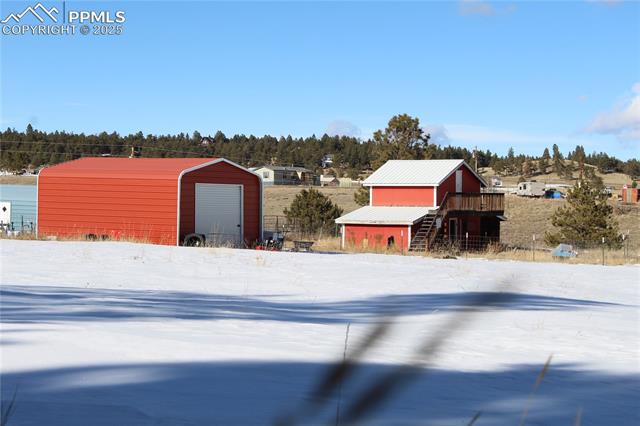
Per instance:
x=531, y=189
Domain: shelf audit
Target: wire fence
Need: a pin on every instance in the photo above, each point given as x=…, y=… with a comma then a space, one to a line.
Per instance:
x=299, y=229
x=23, y=226
x=620, y=251
x=527, y=248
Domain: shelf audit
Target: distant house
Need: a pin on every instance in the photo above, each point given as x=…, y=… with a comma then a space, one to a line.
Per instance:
x=327, y=180
x=284, y=175
x=327, y=161
x=496, y=181
x=206, y=141
x=417, y=204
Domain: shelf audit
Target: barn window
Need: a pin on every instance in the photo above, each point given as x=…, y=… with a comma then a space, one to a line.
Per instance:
x=390, y=242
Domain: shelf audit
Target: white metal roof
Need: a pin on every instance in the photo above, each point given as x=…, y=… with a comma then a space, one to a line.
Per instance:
x=372, y=215
x=415, y=172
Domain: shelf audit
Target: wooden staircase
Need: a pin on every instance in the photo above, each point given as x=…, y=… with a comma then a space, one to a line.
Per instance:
x=423, y=237
x=476, y=203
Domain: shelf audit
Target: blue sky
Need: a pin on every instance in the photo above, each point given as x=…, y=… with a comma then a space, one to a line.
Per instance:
x=491, y=74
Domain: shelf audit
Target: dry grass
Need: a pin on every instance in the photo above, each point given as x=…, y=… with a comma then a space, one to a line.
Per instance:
x=18, y=180
x=33, y=237
x=528, y=216
x=277, y=198
x=591, y=256
x=615, y=180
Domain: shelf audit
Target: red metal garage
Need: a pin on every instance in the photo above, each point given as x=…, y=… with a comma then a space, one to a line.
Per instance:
x=157, y=200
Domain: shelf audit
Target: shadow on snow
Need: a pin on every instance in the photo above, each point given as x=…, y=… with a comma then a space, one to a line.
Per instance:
x=32, y=304
x=231, y=393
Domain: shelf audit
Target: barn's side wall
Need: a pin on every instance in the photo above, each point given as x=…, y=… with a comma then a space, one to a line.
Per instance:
x=119, y=208
x=376, y=236
x=226, y=174
x=470, y=183
x=402, y=196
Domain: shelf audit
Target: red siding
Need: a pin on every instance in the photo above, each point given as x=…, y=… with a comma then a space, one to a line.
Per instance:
x=470, y=183
x=223, y=173
x=630, y=195
x=402, y=196
x=105, y=198
x=136, y=208
x=376, y=235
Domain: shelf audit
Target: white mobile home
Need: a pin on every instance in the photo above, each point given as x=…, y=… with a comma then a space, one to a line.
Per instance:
x=531, y=189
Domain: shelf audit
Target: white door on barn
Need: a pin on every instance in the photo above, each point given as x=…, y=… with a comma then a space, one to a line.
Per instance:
x=219, y=213
x=458, y=180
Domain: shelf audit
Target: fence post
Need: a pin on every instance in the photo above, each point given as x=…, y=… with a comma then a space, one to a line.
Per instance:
x=603, y=251
x=533, y=248
x=466, y=243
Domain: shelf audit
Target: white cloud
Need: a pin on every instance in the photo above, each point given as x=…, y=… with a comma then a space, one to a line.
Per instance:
x=499, y=139
x=476, y=7
x=484, y=8
x=438, y=134
x=623, y=120
x=342, y=128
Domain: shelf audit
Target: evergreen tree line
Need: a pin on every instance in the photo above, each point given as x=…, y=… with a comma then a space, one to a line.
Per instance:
x=33, y=148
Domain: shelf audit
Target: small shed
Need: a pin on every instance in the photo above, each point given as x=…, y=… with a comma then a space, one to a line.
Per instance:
x=630, y=195
x=155, y=200
x=284, y=175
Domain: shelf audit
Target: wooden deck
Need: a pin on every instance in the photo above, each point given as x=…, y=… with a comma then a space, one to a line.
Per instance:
x=473, y=202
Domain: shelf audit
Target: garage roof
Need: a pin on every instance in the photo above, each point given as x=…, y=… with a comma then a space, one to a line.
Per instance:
x=416, y=172
x=381, y=215
x=146, y=168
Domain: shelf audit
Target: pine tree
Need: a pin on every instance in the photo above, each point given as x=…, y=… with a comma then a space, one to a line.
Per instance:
x=558, y=161
x=543, y=163
x=567, y=171
x=361, y=196
x=591, y=176
x=579, y=156
x=527, y=168
x=403, y=139
x=313, y=211
x=586, y=219
x=510, y=161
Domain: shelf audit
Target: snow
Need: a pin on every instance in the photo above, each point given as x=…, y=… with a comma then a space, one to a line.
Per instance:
x=117, y=333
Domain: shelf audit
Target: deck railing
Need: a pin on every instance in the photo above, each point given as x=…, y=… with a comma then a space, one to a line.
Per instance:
x=473, y=202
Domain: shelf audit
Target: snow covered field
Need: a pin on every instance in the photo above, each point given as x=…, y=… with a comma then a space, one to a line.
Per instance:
x=131, y=334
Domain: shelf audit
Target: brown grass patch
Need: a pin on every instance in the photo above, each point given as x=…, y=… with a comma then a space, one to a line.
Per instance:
x=279, y=197
x=18, y=180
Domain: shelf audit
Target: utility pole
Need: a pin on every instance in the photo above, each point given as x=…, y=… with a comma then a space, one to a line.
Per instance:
x=475, y=156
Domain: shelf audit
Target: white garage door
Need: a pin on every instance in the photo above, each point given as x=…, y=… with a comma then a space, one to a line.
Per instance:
x=219, y=213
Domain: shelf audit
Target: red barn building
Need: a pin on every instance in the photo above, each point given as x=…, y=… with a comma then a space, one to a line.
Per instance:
x=157, y=200
x=417, y=203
